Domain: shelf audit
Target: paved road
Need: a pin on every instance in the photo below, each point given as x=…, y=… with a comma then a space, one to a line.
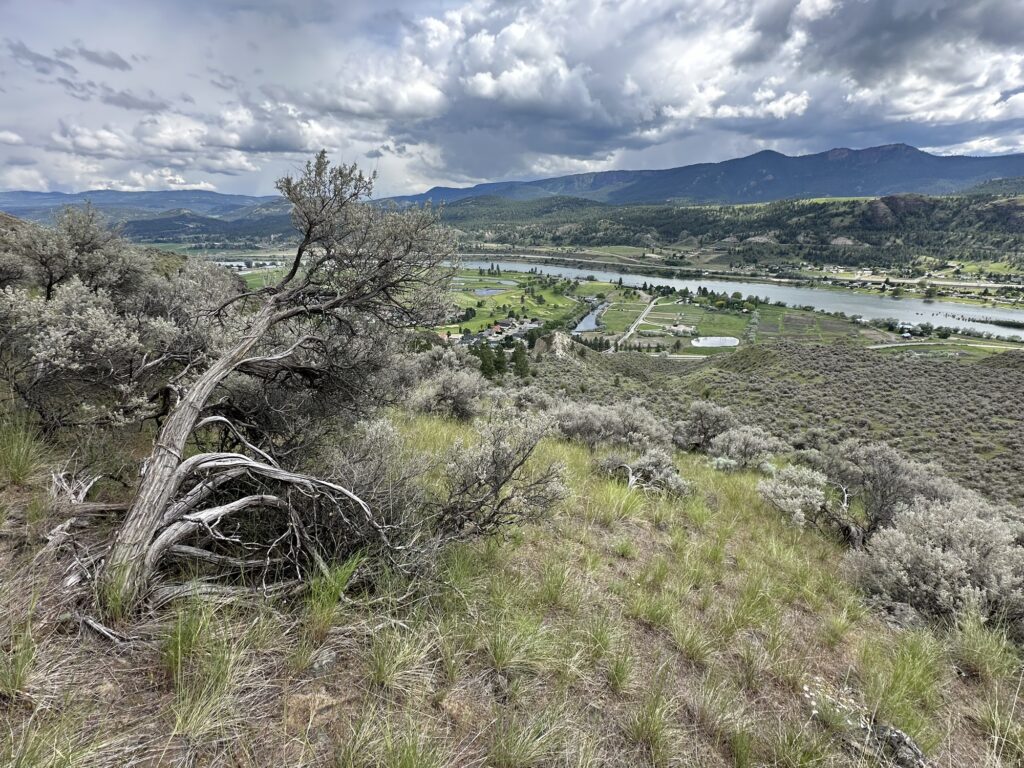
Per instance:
x=636, y=323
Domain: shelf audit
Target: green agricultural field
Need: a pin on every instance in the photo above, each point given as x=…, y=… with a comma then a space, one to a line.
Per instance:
x=802, y=325
x=618, y=317
x=595, y=287
x=616, y=250
x=723, y=324
x=708, y=323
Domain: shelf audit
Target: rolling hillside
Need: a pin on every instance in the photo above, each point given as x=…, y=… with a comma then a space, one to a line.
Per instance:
x=625, y=207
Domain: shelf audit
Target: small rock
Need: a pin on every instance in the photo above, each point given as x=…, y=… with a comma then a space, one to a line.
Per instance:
x=325, y=659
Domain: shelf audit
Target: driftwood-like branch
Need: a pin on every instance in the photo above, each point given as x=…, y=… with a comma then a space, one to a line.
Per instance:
x=207, y=518
x=236, y=432
x=199, y=493
x=166, y=593
x=186, y=552
x=312, y=486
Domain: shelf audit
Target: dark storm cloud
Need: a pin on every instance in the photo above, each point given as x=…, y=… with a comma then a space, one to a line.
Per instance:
x=108, y=59
x=44, y=65
x=128, y=100
x=450, y=91
x=772, y=27
x=872, y=39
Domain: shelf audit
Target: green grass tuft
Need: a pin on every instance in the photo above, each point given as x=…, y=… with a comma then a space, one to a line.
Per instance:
x=903, y=683
x=17, y=658
x=983, y=651
x=525, y=741
x=22, y=453
x=651, y=726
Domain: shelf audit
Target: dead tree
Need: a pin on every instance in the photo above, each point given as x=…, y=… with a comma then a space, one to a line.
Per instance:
x=358, y=269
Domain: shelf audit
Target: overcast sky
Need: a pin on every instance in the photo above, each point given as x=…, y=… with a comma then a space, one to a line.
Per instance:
x=229, y=94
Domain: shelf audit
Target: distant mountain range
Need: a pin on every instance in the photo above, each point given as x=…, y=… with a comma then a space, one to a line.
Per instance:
x=191, y=215
x=38, y=205
x=762, y=177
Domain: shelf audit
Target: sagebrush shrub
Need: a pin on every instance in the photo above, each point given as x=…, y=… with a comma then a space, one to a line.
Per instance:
x=654, y=470
x=703, y=423
x=747, y=446
x=885, y=480
x=628, y=424
x=946, y=558
x=454, y=393
x=797, y=491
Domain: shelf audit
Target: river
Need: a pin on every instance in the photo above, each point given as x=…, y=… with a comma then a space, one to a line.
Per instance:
x=868, y=306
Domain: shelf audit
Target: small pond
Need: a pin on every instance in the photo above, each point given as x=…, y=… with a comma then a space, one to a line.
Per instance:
x=589, y=323
x=716, y=341
x=488, y=291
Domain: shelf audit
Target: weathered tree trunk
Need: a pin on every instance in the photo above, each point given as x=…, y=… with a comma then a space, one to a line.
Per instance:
x=126, y=573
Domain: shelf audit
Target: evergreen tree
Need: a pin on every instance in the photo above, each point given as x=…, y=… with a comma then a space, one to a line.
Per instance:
x=500, y=362
x=486, y=355
x=520, y=362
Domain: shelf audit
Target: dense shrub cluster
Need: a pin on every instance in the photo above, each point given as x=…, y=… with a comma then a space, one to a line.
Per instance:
x=947, y=558
x=745, y=446
x=703, y=423
x=935, y=409
x=628, y=424
x=654, y=471
x=797, y=491
x=917, y=537
x=446, y=381
x=854, y=489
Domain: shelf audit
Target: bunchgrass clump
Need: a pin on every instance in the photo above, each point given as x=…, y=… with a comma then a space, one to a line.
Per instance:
x=836, y=627
x=525, y=741
x=513, y=646
x=620, y=668
x=17, y=658
x=999, y=718
x=321, y=602
x=983, y=651
x=798, y=747
x=720, y=712
x=48, y=741
x=395, y=660
x=903, y=682
x=203, y=655
x=608, y=503
x=625, y=549
x=651, y=725
x=558, y=588
x=21, y=452
x=600, y=635
x=409, y=746
x=654, y=609
x=692, y=641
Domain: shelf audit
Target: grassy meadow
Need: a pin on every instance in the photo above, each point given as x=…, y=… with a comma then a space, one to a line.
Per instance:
x=625, y=629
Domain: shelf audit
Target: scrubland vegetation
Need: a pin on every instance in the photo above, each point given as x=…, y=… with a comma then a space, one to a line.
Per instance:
x=898, y=230
x=348, y=547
